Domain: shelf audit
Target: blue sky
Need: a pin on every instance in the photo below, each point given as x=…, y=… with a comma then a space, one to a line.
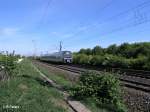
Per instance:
x=77, y=23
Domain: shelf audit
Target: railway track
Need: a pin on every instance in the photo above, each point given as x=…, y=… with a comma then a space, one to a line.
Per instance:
x=128, y=72
x=130, y=81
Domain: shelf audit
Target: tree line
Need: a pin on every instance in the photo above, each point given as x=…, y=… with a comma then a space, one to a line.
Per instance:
x=134, y=56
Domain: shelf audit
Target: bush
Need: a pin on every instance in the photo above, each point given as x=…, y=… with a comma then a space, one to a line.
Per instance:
x=147, y=63
x=8, y=63
x=103, y=87
x=97, y=60
x=138, y=63
x=11, y=65
x=115, y=61
x=81, y=59
x=76, y=58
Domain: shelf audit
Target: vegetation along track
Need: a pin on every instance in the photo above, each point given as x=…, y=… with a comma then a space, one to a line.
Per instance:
x=130, y=81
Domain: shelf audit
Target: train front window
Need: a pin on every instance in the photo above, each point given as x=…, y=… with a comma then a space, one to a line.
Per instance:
x=67, y=53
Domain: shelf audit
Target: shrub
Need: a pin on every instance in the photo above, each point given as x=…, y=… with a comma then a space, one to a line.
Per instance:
x=81, y=59
x=103, y=87
x=9, y=63
x=97, y=60
x=76, y=58
x=138, y=63
x=147, y=63
x=115, y=61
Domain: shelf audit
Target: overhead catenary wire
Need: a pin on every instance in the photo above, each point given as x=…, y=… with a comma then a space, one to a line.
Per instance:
x=102, y=8
x=105, y=6
x=119, y=29
x=139, y=6
x=138, y=20
x=44, y=12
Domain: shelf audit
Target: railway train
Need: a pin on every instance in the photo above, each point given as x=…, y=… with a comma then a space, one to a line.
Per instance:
x=59, y=57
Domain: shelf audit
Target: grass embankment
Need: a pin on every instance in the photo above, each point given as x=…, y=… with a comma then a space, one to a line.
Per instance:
x=57, y=76
x=27, y=91
x=61, y=79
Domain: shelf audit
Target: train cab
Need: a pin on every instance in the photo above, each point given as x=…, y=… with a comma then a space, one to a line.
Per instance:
x=67, y=56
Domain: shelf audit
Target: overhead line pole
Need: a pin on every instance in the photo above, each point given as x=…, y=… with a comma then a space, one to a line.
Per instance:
x=34, y=47
x=60, y=46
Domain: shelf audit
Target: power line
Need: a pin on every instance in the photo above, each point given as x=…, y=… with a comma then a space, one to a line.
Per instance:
x=123, y=28
x=127, y=26
x=141, y=5
x=107, y=5
x=118, y=30
x=140, y=18
x=45, y=12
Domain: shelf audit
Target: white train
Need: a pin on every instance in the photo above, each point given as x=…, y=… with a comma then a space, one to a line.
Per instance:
x=62, y=57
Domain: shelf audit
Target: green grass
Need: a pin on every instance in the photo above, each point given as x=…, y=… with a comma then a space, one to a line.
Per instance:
x=27, y=91
x=57, y=77
x=93, y=106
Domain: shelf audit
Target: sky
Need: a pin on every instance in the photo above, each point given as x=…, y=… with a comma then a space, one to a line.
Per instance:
x=37, y=26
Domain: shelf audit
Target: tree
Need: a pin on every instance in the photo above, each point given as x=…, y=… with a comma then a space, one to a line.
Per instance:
x=97, y=50
x=85, y=51
x=112, y=49
x=82, y=51
x=88, y=51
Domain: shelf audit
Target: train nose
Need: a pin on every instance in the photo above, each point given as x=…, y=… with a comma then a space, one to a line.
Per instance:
x=68, y=61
